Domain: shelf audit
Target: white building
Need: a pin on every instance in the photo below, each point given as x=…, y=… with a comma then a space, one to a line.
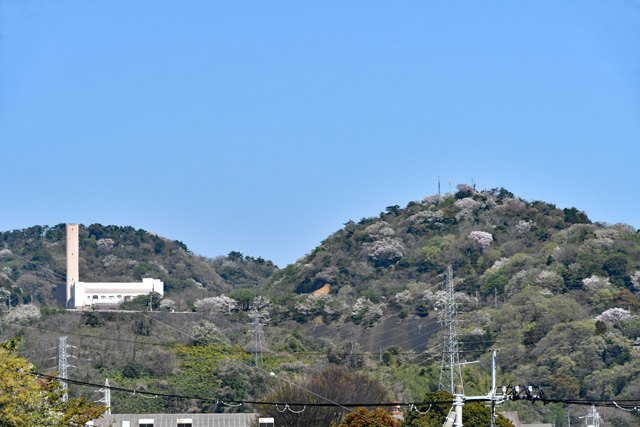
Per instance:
x=104, y=294
x=84, y=295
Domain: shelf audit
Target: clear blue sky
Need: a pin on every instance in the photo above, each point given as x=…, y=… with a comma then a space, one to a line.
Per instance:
x=263, y=126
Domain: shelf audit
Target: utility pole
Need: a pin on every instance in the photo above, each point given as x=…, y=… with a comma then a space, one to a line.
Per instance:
x=256, y=343
x=63, y=365
x=450, y=374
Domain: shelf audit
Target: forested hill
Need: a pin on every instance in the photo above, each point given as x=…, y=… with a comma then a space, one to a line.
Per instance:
x=33, y=263
x=497, y=244
x=558, y=294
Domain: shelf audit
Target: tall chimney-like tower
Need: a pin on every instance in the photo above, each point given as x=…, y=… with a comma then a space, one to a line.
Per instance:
x=73, y=265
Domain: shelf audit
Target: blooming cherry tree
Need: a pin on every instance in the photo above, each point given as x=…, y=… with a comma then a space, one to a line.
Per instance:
x=481, y=238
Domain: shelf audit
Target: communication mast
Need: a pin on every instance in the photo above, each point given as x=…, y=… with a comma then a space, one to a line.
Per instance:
x=450, y=374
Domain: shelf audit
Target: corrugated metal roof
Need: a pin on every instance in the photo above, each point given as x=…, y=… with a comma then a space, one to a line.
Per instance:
x=171, y=420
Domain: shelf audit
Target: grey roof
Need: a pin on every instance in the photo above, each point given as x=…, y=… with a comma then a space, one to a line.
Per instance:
x=171, y=420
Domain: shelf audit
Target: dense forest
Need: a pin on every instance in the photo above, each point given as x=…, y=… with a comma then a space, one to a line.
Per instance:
x=556, y=294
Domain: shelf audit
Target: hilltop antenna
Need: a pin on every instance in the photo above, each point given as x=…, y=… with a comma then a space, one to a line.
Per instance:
x=438, y=186
x=256, y=343
x=450, y=374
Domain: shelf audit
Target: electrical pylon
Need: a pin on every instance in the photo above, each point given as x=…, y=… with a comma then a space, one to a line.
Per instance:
x=594, y=417
x=106, y=398
x=256, y=342
x=63, y=365
x=450, y=374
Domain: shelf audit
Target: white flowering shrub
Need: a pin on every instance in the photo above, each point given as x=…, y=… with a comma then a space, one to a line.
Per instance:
x=595, y=283
x=481, y=238
x=379, y=230
x=220, y=304
x=614, y=315
x=206, y=332
x=433, y=200
x=635, y=279
x=105, y=244
x=387, y=250
x=168, y=304
x=365, y=311
x=403, y=297
x=478, y=331
x=5, y=252
x=499, y=263
x=427, y=217
x=23, y=313
x=550, y=280
x=518, y=281
x=468, y=207
x=260, y=303
x=523, y=227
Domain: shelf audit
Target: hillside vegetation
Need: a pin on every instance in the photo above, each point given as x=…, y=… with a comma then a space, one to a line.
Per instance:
x=554, y=292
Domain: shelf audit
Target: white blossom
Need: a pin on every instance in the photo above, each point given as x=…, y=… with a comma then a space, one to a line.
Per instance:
x=432, y=200
x=5, y=252
x=499, y=263
x=595, y=283
x=168, y=304
x=427, y=216
x=615, y=315
x=481, y=238
x=387, y=249
x=607, y=233
x=260, y=303
x=635, y=279
x=23, y=312
x=219, y=304
x=403, y=297
x=379, y=230
x=468, y=208
x=367, y=310
x=105, y=244
x=523, y=227
x=550, y=280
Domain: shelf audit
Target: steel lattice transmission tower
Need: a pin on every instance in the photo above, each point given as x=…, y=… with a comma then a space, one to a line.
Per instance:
x=256, y=342
x=450, y=374
x=106, y=399
x=63, y=365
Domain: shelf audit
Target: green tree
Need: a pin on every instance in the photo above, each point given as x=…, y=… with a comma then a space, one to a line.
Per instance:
x=28, y=401
x=363, y=418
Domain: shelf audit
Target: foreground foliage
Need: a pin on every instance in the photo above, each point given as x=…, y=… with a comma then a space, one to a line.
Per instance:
x=28, y=401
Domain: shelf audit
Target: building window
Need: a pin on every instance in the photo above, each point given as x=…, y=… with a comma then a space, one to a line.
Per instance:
x=111, y=297
x=95, y=297
x=185, y=422
x=145, y=423
x=103, y=297
x=119, y=296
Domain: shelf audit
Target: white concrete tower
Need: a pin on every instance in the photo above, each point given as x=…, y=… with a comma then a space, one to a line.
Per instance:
x=73, y=264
